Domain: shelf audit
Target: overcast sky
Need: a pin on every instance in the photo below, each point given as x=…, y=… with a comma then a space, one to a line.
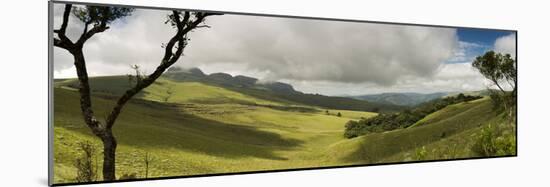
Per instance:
x=315, y=56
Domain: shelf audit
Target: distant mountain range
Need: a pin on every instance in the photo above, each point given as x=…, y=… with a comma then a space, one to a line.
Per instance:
x=250, y=85
x=276, y=91
x=224, y=79
x=411, y=98
x=404, y=99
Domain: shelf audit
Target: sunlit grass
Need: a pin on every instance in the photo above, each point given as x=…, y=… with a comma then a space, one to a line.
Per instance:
x=192, y=128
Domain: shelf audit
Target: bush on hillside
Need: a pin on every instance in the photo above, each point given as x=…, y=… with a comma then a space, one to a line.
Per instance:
x=495, y=140
x=86, y=168
x=388, y=122
x=420, y=153
x=504, y=102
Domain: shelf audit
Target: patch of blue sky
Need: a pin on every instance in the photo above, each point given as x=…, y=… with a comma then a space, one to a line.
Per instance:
x=474, y=42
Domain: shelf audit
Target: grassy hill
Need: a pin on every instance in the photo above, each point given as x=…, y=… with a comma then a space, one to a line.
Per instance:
x=192, y=128
x=199, y=129
x=234, y=89
x=165, y=90
x=277, y=91
x=446, y=134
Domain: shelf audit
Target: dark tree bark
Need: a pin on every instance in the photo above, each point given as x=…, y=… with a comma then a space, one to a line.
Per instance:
x=104, y=132
x=109, y=155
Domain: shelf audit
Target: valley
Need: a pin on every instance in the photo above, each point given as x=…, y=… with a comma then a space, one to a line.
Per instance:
x=194, y=126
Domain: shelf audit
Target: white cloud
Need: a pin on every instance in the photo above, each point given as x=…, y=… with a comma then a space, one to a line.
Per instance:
x=278, y=48
x=466, y=52
x=314, y=50
x=447, y=78
x=315, y=56
x=506, y=44
x=136, y=40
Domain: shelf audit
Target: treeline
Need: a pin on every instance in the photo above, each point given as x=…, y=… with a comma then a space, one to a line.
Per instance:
x=387, y=122
x=331, y=102
x=338, y=103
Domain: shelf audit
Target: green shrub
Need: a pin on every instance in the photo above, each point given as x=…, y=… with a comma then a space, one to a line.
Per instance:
x=495, y=140
x=420, y=153
x=86, y=168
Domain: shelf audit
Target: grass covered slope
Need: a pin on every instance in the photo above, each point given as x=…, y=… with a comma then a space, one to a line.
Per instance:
x=194, y=133
x=164, y=90
x=192, y=128
x=448, y=133
x=220, y=90
x=405, y=119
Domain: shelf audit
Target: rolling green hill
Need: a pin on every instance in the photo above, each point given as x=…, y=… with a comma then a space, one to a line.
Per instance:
x=446, y=134
x=165, y=90
x=194, y=127
x=276, y=91
x=242, y=86
x=196, y=132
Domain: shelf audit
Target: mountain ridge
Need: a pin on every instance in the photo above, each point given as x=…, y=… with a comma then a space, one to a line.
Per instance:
x=401, y=98
x=279, y=90
x=412, y=98
x=178, y=73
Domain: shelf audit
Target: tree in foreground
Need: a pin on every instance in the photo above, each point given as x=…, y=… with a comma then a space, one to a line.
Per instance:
x=96, y=19
x=501, y=70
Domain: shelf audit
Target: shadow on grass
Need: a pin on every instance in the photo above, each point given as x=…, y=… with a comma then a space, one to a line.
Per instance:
x=205, y=136
x=151, y=125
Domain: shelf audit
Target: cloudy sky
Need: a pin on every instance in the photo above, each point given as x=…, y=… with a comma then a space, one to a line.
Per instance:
x=315, y=56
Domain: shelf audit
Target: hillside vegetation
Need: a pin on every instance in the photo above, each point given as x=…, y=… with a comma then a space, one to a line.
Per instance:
x=405, y=99
x=277, y=91
x=405, y=119
x=198, y=133
x=193, y=127
x=447, y=134
x=241, y=87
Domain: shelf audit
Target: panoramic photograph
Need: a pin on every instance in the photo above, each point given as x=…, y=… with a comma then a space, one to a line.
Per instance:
x=144, y=93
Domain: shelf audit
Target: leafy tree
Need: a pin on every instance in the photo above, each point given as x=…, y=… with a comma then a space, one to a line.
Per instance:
x=339, y=114
x=99, y=18
x=500, y=69
x=460, y=96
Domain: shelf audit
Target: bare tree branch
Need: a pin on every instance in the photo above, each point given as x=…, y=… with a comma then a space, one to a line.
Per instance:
x=63, y=41
x=59, y=43
x=80, y=64
x=169, y=59
x=87, y=35
x=180, y=26
x=203, y=26
x=85, y=30
x=495, y=81
x=61, y=32
x=99, y=129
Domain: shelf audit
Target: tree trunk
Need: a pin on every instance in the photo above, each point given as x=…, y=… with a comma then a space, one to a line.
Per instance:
x=109, y=150
x=104, y=133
